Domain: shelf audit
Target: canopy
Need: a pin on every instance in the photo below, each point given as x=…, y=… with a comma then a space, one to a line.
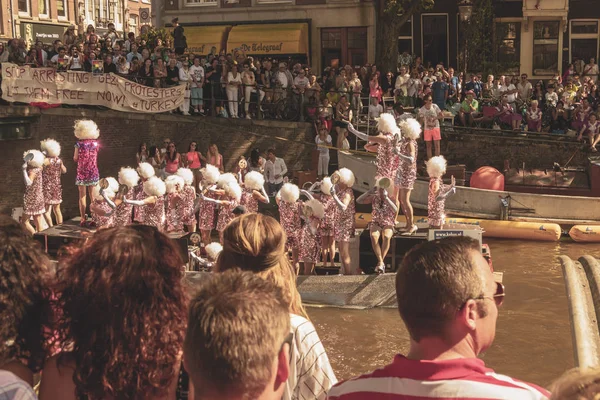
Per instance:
x=269, y=38
x=200, y=39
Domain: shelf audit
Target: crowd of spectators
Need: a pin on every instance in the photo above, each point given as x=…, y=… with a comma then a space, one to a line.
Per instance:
x=114, y=319
x=237, y=85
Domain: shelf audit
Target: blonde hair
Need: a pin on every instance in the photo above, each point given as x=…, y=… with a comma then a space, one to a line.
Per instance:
x=254, y=180
x=534, y=102
x=146, y=170
x=289, y=193
x=155, y=187
x=577, y=384
x=346, y=176
x=128, y=177
x=256, y=242
x=187, y=175
x=436, y=166
x=387, y=123
x=51, y=147
x=411, y=128
x=86, y=129
x=37, y=160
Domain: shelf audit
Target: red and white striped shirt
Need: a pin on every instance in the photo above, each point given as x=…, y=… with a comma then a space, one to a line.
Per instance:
x=465, y=378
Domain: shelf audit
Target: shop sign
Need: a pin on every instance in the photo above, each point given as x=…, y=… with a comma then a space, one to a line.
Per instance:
x=261, y=48
x=47, y=33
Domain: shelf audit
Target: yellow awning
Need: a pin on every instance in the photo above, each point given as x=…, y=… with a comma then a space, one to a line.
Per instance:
x=269, y=39
x=200, y=39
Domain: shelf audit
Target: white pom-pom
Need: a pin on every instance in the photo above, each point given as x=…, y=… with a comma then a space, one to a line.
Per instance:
x=37, y=160
x=128, y=177
x=154, y=187
x=146, y=170
x=212, y=250
x=411, y=128
x=436, y=166
x=226, y=179
x=51, y=147
x=113, y=185
x=233, y=190
x=86, y=129
x=174, y=183
x=186, y=174
x=387, y=123
x=254, y=180
x=210, y=174
x=346, y=176
x=289, y=193
x=317, y=208
x=97, y=196
x=326, y=186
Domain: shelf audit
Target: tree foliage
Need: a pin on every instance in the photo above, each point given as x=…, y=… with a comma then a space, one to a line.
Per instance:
x=153, y=35
x=390, y=15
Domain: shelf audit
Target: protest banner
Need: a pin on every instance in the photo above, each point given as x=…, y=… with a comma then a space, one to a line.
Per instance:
x=35, y=85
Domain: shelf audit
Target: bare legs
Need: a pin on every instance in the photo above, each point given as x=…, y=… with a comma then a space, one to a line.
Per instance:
x=205, y=236
x=295, y=259
x=375, y=234
x=191, y=228
x=407, y=208
x=53, y=208
x=344, y=248
x=48, y=215
x=436, y=148
x=37, y=220
x=381, y=251
x=327, y=250
x=308, y=268
x=83, y=200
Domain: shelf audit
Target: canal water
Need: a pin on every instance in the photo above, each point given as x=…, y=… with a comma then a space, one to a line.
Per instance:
x=533, y=337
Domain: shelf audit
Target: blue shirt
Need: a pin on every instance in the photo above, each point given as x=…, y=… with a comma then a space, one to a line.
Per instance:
x=438, y=92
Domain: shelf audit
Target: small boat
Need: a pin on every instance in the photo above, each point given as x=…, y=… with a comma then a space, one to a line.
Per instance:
x=509, y=205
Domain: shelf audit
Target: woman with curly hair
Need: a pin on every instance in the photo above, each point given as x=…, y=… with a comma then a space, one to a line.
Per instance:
x=24, y=307
x=256, y=243
x=124, y=312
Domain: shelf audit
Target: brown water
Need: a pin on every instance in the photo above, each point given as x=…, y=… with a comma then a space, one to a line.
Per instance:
x=533, y=337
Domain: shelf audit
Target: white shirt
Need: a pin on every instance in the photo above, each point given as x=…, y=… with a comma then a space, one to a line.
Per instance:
x=55, y=58
x=511, y=97
x=311, y=375
x=375, y=110
x=282, y=79
x=524, y=90
x=231, y=78
x=275, y=168
x=198, y=73
x=300, y=82
x=324, y=151
x=402, y=83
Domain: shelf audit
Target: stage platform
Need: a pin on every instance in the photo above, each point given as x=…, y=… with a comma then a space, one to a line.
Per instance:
x=57, y=238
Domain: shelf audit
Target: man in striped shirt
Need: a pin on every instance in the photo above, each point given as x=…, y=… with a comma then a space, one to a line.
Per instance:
x=449, y=302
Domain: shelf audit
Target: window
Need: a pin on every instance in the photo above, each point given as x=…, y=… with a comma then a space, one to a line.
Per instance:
x=14, y=128
x=341, y=46
x=405, y=40
x=120, y=12
x=508, y=42
x=435, y=38
x=545, y=47
x=61, y=9
x=44, y=8
x=133, y=23
x=24, y=7
x=199, y=2
x=584, y=40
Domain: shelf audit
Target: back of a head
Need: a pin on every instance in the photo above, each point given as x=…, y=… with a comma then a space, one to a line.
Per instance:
x=577, y=384
x=256, y=242
x=237, y=325
x=433, y=282
x=26, y=312
x=124, y=286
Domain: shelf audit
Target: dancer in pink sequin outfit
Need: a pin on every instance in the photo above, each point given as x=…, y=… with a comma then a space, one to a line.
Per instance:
x=436, y=201
x=33, y=199
x=188, y=196
x=406, y=176
x=326, y=226
x=231, y=199
x=86, y=157
x=173, y=205
x=384, y=144
x=123, y=213
x=145, y=171
x=103, y=206
x=254, y=191
x=154, y=203
x=208, y=201
x=313, y=213
x=384, y=219
x=53, y=169
x=344, y=224
x=289, y=218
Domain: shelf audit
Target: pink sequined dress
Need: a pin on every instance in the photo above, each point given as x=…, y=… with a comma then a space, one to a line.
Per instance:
x=310, y=243
x=51, y=181
x=188, y=196
x=326, y=225
x=407, y=173
x=87, y=163
x=226, y=214
x=206, y=218
x=249, y=201
x=173, y=213
x=103, y=221
x=387, y=161
x=33, y=199
x=138, y=194
x=154, y=214
x=289, y=217
x=344, y=225
x=124, y=211
x=384, y=216
x=435, y=208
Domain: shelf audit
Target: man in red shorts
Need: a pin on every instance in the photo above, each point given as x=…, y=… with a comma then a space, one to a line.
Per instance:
x=430, y=115
x=449, y=301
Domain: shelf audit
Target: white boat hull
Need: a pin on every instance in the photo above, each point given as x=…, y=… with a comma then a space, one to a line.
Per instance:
x=486, y=204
